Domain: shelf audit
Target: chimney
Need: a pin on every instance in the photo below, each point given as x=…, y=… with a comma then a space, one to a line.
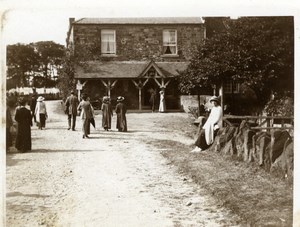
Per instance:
x=71, y=20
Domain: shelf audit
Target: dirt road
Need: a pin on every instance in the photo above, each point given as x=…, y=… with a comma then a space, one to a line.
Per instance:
x=111, y=179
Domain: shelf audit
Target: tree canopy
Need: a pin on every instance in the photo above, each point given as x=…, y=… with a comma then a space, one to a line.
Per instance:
x=256, y=51
x=33, y=64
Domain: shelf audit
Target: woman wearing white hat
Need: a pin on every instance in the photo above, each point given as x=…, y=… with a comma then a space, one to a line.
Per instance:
x=211, y=126
x=41, y=112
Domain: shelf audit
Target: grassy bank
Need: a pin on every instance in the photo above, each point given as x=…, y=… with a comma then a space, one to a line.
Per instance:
x=257, y=197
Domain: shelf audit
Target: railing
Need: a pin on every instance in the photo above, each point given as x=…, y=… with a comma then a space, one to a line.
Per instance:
x=264, y=122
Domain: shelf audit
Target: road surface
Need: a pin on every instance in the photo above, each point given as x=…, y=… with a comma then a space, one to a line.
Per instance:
x=111, y=179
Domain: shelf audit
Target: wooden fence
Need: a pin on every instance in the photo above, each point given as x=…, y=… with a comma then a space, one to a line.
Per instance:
x=265, y=123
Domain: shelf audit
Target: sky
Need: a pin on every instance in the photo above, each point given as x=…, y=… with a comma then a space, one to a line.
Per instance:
x=30, y=21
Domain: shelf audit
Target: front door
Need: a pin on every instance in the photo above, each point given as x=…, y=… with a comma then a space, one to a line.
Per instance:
x=150, y=92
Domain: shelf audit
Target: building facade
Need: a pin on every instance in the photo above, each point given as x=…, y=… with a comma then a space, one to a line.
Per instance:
x=133, y=57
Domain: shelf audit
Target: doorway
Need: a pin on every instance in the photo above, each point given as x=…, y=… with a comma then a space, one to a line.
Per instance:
x=149, y=88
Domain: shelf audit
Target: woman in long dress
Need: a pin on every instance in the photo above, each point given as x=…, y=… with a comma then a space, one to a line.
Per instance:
x=24, y=120
x=41, y=112
x=211, y=126
x=107, y=113
x=85, y=115
x=162, y=103
x=121, y=115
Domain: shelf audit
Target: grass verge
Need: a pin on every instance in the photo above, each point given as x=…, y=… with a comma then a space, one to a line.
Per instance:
x=251, y=193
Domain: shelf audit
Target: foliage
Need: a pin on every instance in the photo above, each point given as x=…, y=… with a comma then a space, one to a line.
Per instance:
x=73, y=58
x=66, y=81
x=257, y=51
x=50, y=57
x=27, y=61
x=280, y=106
x=21, y=61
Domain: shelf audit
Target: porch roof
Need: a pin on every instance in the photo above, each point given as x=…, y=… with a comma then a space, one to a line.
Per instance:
x=126, y=69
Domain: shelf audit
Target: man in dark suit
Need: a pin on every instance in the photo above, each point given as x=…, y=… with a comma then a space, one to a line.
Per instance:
x=33, y=105
x=71, y=110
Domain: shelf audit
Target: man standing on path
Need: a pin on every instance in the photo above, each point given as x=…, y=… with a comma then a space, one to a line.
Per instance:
x=32, y=106
x=71, y=110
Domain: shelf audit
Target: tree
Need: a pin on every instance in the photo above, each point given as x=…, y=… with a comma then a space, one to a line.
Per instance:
x=257, y=51
x=21, y=61
x=38, y=61
x=50, y=59
x=73, y=58
x=66, y=80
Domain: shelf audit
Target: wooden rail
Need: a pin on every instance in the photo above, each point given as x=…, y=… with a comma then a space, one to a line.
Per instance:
x=268, y=120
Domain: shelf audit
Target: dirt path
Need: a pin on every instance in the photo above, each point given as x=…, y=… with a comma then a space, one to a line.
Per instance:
x=111, y=179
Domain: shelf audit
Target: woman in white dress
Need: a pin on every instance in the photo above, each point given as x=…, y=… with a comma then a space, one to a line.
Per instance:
x=162, y=103
x=41, y=112
x=211, y=126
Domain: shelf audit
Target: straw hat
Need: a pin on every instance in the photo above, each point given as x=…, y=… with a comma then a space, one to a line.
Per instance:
x=214, y=98
x=120, y=99
x=40, y=99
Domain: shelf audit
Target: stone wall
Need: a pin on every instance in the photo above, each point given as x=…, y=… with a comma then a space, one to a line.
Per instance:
x=272, y=152
x=141, y=42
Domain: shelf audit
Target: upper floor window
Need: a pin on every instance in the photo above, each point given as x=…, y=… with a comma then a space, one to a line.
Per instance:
x=169, y=42
x=108, y=41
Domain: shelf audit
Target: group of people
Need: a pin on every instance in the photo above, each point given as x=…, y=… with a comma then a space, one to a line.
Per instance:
x=84, y=109
x=86, y=113
x=23, y=117
x=162, y=103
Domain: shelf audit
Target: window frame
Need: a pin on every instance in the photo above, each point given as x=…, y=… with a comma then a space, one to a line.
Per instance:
x=231, y=87
x=172, y=45
x=109, y=31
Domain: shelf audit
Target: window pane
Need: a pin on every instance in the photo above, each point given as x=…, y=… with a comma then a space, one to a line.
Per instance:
x=169, y=42
x=169, y=49
x=108, y=45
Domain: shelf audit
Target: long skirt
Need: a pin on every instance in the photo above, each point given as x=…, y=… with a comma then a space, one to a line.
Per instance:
x=8, y=138
x=85, y=126
x=121, y=123
x=42, y=120
x=201, y=142
x=23, y=141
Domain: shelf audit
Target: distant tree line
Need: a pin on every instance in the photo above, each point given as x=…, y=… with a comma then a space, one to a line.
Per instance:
x=36, y=64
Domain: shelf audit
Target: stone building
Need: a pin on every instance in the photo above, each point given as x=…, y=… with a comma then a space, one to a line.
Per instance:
x=133, y=56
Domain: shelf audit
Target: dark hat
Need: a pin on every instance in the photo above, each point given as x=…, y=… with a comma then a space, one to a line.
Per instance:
x=215, y=98
x=84, y=95
x=120, y=99
x=22, y=101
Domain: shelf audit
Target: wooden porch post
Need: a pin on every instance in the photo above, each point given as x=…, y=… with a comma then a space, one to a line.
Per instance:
x=222, y=99
x=140, y=98
x=140, y=86
x=109, y=86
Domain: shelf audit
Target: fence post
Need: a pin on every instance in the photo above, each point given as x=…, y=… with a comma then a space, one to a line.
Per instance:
x=271, y=145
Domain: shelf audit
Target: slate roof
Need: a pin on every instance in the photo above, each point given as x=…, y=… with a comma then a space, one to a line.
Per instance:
x=125, y=69
x=142, y=20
